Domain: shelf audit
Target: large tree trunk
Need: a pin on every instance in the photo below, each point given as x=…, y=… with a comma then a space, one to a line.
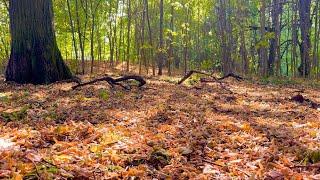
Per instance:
x=35, y=57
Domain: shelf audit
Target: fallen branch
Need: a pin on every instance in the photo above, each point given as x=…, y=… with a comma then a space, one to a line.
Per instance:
x=187, y=76
x=113, y=81
x=204, y=80
x=237, y=77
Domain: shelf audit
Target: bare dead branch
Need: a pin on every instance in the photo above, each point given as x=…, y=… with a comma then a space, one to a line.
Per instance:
x=113, y=81
x=190, y=73
x=205, y=80
x=237, y=77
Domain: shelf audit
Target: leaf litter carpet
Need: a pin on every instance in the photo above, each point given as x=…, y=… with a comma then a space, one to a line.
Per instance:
x=160, y=131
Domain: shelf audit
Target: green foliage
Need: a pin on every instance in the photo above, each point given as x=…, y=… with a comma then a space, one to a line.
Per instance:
x=18, y=115
x=4, y=97
x=104, y=94
x=311, y=157
x=207, y=64
x=195, y=28
x=285, y=81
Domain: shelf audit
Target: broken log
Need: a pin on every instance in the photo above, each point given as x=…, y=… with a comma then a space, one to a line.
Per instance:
x=113, y=81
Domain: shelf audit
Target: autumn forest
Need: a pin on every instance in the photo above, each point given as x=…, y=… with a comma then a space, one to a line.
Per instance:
x=159, y=89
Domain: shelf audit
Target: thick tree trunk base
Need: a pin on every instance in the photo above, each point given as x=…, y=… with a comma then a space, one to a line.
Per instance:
x=35, y=57
x=37, y=68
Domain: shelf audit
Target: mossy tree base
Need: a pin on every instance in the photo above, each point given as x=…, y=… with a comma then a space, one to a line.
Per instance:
x=35, y=57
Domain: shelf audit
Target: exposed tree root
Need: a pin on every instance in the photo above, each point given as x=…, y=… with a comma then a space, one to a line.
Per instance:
x=113, y=81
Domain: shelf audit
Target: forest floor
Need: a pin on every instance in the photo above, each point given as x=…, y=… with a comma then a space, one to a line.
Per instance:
x=162, y=130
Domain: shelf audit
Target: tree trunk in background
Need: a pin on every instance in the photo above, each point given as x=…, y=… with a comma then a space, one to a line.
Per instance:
x=150, y=38
x=243, y=52
x=74, y=42
x=263, y=51
x=316, y=39
x=171, y=57
x=143, y=58
x=274, y=57
x=128, y=35
x=92, y=35
x=35, y=57
x=226, y=38
x=161, y=43
x=305, y=26
x=80, y=36
x=294, y=39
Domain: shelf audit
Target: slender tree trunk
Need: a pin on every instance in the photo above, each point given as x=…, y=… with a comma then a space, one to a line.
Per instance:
x=305, y=26
x=35, y=57
x=277, y=28
x=80, y=37
x=74, y=42
x=171, y=57
x=150, y=38
x=128, y=35
x=161, y=42
x=294, y=39
x=263, y=52
x=316, y=39
x=142, y=38
x=92, y=36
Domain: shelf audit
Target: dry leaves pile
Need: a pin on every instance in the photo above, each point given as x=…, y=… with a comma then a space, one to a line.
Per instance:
x=162, y=131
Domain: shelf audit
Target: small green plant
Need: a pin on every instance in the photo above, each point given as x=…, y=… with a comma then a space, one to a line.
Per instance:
x=113, y=168
x=194, y=79
x=103, y=94
x=16, y=115
x=311, y=157
x=4, y=97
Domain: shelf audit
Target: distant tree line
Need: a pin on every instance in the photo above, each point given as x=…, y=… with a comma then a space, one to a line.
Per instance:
x=248, y=37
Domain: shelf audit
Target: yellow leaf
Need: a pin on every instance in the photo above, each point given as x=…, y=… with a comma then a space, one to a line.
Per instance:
x=313, y=134
x=62, y=159
x=17, y=176
x=95, y=148
x=246, y=127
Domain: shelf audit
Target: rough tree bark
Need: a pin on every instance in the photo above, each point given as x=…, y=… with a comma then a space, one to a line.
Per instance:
x=35, y=57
